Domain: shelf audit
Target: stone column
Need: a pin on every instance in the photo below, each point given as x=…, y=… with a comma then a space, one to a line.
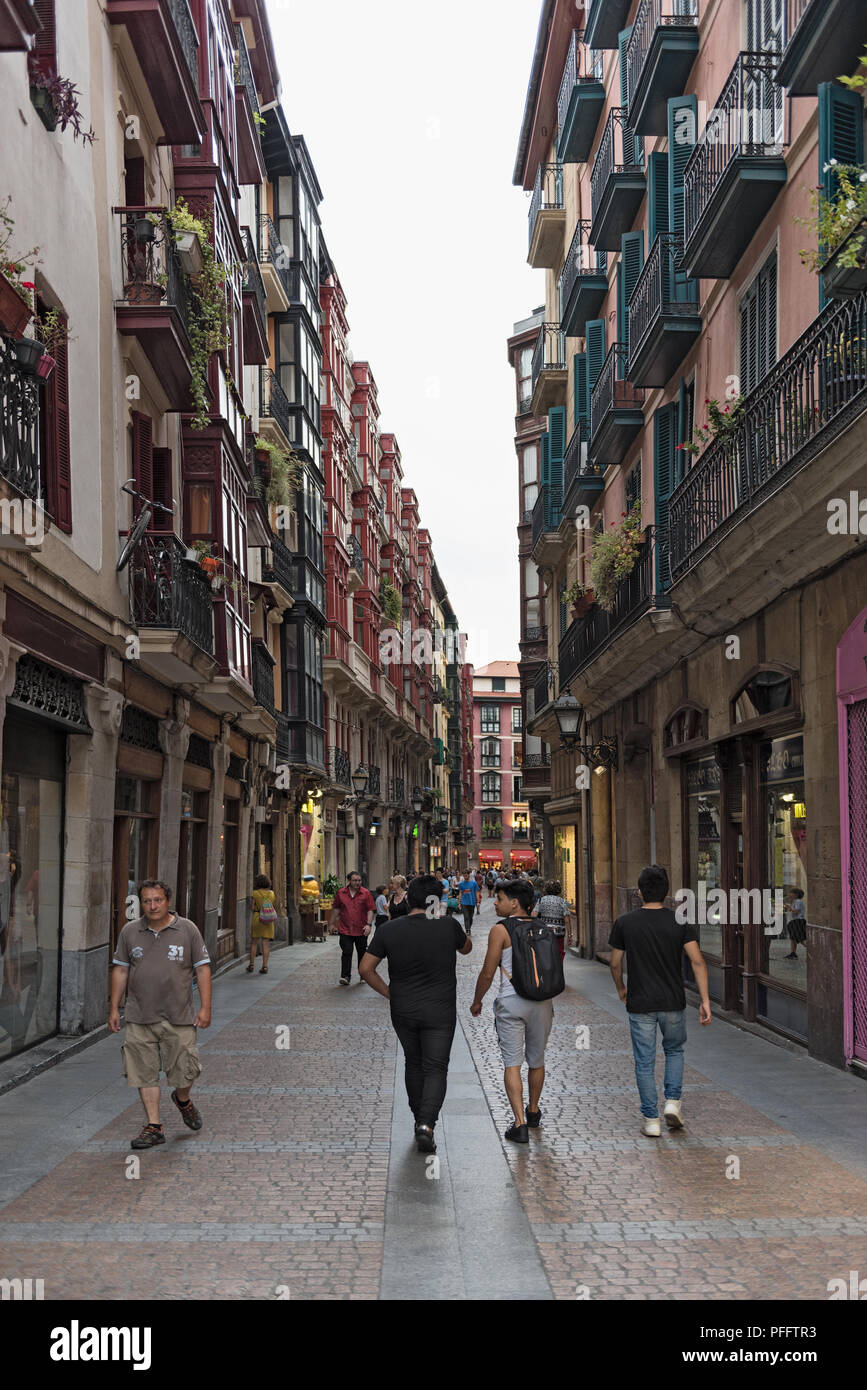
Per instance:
x=87, y=872
x=174, y=736
x=221, y=755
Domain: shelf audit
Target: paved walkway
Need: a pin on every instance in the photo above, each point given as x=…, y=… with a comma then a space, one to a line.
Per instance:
x=305, y=1183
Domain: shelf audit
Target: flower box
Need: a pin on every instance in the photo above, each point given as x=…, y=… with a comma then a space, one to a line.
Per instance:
x=845, y=281
x=28, y=351
x=189, y=252
x=15, y=312
x=45, y=366
x=46, y=106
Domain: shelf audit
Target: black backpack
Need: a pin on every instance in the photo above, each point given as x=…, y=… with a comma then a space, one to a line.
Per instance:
x=537, y=970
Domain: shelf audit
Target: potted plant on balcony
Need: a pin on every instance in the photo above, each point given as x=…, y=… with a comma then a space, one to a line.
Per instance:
x=840, y=225
x=391, y=602
x=56, y=101
x=722, y=421
x=614, y=554
x=581, y=598
x=190, y=235
x=16, y=295
x=280, y=473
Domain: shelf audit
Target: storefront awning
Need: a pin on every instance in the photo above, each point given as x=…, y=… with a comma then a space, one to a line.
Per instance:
x=490, y=861
x=523, y=856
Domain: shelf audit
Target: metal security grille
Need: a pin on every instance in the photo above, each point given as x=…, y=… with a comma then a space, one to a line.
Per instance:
x=857, y=745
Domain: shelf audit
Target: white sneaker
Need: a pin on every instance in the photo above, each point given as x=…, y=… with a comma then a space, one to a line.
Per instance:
x=671, y=1114
x=651, y=1128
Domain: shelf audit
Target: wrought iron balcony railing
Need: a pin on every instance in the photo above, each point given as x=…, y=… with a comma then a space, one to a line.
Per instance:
x=187, y=36
x=253, y=282
x=273, y=401
x=263, y=677
x=541, y=690
x=167, y=591
x=550, y=351
x=547, y=193
x=611, y=390
x=535, y=633
x=584, y=638
x=581, y=260
x=618, y=153
x=809, y=397
x=244, y=71
x=356, y=555
x=581, y=65
x=397, y=791
x=546, y=512
x=533, y=760
x=650, y=16
x=662, y=288
x=19, y=423
x=748, y=119
x=152, y=274
x=280, y=567
x=339, y=767
x=273, y=252
x=575, y=462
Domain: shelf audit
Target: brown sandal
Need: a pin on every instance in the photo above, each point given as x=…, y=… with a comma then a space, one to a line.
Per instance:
x=264, y=970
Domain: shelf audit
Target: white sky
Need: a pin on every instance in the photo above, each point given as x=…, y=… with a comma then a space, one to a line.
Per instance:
x=412, y=116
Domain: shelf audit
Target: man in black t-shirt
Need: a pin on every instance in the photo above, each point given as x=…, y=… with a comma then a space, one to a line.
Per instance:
x=421, y=950
x=653, y=942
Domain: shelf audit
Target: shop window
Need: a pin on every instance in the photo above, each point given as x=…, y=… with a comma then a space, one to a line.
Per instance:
x=784, y=956
x=136, y=822
x=228, y=899
x=705, y=846
x=687, y=725
x=192, y=856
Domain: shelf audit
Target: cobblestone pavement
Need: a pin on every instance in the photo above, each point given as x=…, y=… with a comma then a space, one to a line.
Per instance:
x=304, y=1182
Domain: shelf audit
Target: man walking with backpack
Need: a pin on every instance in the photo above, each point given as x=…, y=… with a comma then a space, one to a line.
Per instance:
x=525, y=952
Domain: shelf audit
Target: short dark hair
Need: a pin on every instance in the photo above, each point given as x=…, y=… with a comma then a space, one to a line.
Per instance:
x=421, y=888
x=261, y=881
x=352, y=874
x=155, y=883
x=520, y=891
x=553, y=887
x=653, y=884
x=380, y=889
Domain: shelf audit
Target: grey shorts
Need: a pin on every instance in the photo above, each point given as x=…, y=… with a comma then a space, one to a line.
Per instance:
x=523, y=1025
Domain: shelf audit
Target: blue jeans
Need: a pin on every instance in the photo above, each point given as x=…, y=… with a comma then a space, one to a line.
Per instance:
x=672, y=1026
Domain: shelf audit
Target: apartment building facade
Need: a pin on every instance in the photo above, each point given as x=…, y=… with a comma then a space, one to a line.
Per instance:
x=501, y=818
x=172, y=587
x=703, y=402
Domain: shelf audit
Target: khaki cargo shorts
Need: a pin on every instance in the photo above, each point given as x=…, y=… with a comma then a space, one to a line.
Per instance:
x=149, y=1048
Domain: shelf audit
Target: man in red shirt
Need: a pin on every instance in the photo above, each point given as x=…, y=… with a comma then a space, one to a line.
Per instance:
x=353, y=913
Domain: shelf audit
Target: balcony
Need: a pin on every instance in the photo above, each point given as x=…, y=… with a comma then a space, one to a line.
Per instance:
x=19, y=426
x=536, y=775
x=356, y=562
x=250, y=162
x=664, y=319
x=255, y=311
x=616, y=413
x=617, y=183
x=736, y=170
x=170, y=605
x=547, y=515
x=823, y=39
x=396, y=792
x=583, y=482
x=543, y=693
x=492, y=830
x=593, y=640
x=166, y=45
x=18, y=23
x=279, y=571
x=275, y=420
x=604, y=20
x=274, y=260
x=261, y=720
x=550, y=377
x=535, y=633
x=580, y=102
x=778, y=450
x=154, y=308
x=340, y=768
x=662, y=48
x=547, y=218
x=583, y=283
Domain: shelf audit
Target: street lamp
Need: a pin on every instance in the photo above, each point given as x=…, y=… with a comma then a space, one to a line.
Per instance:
x=417, y=799
x=360, y=778
x=568, y=714
x=359, y=782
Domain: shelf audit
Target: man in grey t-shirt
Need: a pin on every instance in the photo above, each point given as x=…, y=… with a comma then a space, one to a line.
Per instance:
x=154, y=962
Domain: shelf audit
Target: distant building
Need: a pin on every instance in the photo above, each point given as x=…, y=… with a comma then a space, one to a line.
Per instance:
x=501, y=819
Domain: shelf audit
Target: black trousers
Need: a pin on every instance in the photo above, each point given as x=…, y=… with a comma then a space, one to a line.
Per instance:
x=469, y=912
x=427, y=1045
x=346, y=945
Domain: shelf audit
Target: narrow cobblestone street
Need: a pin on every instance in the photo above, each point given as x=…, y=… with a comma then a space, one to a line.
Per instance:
x=304, y=1182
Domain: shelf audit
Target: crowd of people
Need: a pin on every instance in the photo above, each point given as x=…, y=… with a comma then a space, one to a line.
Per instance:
x=157, y=954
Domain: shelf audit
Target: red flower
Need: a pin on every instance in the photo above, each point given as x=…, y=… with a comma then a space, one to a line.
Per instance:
x=707, y=400
x=27, y=285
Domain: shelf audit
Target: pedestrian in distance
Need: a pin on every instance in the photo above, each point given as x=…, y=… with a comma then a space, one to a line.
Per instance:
x=352, y=914
x=421, y=952
x=490, y=880
x=796, y=927
x=654, y=942
x=468, y=894
x=554, y=909
x=398, y=902
x=154, y=962
x=525, y=952
x=264, y=904
x=381, y=906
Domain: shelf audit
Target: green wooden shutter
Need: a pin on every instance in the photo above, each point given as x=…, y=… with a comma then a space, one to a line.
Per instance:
x=664, y=422
x=557, y=448
x=841, y=137
x=657, y=195
x=582, y=395
x=546, y=461
x=595, y=339
x=633, y=145
x=629, y=269
x=681, y=143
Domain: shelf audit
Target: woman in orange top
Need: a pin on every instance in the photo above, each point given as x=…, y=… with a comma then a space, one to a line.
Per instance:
x=264, y=904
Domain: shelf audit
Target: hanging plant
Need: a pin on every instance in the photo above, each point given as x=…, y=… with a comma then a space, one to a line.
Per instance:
x=391, y=602
x=284, y=471
x=56, y=99
x=209, y=326
x=614, y=554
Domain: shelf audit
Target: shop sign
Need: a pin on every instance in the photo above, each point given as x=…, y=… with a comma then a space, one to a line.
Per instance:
x=703, y=776
x=783, y=760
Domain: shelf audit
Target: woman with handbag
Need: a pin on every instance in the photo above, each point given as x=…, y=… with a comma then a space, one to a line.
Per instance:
x=264, y=904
